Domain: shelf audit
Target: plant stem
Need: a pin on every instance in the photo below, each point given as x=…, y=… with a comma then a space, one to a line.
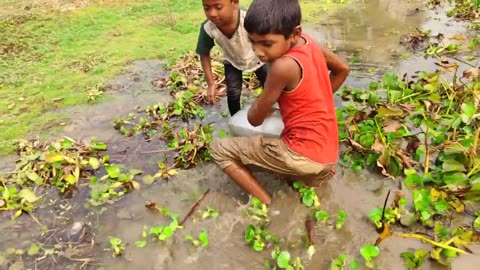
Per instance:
x=427, y=152
x=430, y=241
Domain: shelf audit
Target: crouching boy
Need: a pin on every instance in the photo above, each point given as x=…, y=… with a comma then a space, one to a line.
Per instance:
x=302, y=79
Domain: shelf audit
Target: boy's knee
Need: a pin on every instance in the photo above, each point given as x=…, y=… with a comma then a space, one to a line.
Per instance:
x=234, y=91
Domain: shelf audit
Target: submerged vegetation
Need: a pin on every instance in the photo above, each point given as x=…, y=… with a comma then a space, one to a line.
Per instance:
x=421, y=130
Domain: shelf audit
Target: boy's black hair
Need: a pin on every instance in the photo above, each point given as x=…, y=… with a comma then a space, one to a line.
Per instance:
x=273, y=17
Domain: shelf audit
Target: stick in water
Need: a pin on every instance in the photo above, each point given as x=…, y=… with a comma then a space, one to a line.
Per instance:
x=194, y=206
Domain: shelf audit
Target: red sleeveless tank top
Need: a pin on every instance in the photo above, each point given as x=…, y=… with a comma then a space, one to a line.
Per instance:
x=308, y=111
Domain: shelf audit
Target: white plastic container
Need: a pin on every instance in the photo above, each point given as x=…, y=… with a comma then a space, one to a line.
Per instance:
x=271, y=127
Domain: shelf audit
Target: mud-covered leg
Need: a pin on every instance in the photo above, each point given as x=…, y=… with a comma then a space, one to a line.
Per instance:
x=244, y=178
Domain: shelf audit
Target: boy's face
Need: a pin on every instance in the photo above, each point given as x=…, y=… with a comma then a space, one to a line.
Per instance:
x=220, y=12
x=269, y=47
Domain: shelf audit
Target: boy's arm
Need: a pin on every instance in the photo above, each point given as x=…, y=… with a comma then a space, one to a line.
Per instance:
x=284, y=73
x=204, y=45
x=206, y=61
x=338, y=68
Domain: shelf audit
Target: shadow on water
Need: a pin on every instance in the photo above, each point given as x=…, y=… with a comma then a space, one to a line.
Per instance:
x=366, y=31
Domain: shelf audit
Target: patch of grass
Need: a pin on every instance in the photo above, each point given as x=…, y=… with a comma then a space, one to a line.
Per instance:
x=51, y=60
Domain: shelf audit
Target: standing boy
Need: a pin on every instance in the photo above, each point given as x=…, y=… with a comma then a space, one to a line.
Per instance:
x=224, y=25
x=299, y=80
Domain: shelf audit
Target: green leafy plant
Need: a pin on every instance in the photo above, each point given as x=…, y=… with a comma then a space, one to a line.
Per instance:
x=283, y=260
x=116, y=245
x=201, y=241
x=112, y=186
x=143, y=241
x=257, y=237
x=340, y=262
x=307, y=194
x=257, y=211
x=414, y=260
x=163, y=233
x=62, y=164
x=322, y=216
x=369, y=253
x=341, y=216
x=209, y=213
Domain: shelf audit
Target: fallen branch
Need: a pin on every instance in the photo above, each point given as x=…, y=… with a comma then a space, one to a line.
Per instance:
x=309, y=223
x=194, y=206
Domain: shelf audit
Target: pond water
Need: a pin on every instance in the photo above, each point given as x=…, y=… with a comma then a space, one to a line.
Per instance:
x=367, y=33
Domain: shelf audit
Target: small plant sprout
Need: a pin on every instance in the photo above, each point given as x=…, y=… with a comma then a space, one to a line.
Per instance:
x=143, y=241
x=117, y=246
x=163, y=233
x=284, y=261
x=341, y=263
x=209, y=213
x=369, y=253
x=307, y=194
x=257, y=237
x=341, y=216
x=321, y=216
x=414, y=260
x=310, y=251
x=257, y=211
x=201, y=241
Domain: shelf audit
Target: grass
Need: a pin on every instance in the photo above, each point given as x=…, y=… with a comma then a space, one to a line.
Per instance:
x=50, y=59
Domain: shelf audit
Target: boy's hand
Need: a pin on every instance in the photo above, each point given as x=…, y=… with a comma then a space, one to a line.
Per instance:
x=212, y=93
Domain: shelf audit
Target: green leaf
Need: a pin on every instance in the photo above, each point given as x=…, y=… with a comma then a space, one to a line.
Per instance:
x=249, y=233
x=441, y=206
x=33, y=176
x=451, y=165
x=341, y=216
x=94, y=163
x=222, y=133
x=258, y=245
x=135, y=172
x=28, y=195
x=456, y=178
x=141, y=243
x=375, y=215
x=339, y=262
x=283, y=259
x=369, y=252
x=476, y=223
x=354, y=265
x=51, y=158
x=203, y=237
x=414, y=180
x=384, y=111
x=468, y=111
x=322, y=216
x=394, y=95
x=148, y=179
x=71, y=179
x=113, y=171
x=34, y=249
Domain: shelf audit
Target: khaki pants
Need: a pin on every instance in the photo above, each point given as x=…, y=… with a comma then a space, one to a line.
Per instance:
x=271, y=154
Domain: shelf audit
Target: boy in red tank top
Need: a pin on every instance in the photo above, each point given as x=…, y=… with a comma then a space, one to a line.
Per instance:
x=302, y=79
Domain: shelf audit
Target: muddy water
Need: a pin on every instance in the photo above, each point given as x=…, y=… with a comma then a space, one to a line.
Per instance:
x=367, y=33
